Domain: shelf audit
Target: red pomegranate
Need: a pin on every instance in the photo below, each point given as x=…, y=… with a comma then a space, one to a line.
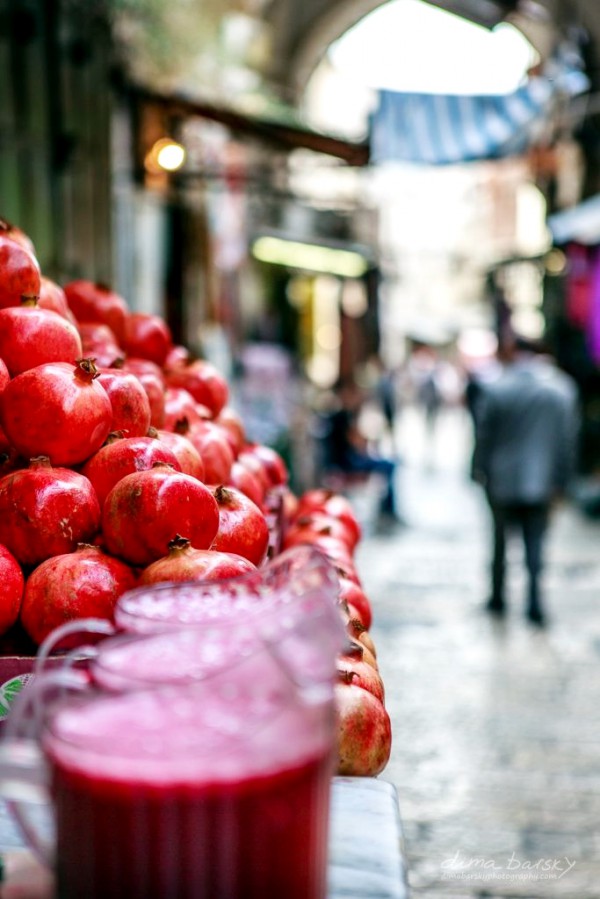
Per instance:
x=151, y=379
x=147, y=337
x=95, y=302
x=146, y=510
x=143, y=367
x=56, y=410
x=333, y=504
x=45, y=511
x=233, y=426
x=211, y=442
x=289, y=502
x=318, y=523
x=243, y=528
x=13, y=583
x=53, y=297
x=7, y=229
x=19, y=272
x=203, y=381
x=129, y=401
x=272, y=462
x=4, y=375
x=184, y=450
x=82, y=584
x=121, y=456
x=355, y=628
x=251, y=461
x=354, y=649
x=364, y=732
x=99, y=343
x=177, y=355
x=243, y=479
x=31, y=336
x=361, y=675
x=184, y=563
x=355, y=596
x=179, y=404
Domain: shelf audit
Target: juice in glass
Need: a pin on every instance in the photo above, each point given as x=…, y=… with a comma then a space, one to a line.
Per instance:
x=168, y=794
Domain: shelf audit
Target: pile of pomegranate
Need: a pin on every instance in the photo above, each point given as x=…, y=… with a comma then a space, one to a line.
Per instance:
x=122, y=463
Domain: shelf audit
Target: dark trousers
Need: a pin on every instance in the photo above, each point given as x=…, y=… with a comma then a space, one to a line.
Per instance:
x=531, y=519
x=362, y=462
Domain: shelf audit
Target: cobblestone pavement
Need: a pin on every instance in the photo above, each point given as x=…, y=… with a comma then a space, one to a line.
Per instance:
x=496, y=753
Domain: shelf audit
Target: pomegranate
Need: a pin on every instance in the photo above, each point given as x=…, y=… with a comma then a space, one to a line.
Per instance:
x=290, y=506
x=57, y=410
x=319, y=523
x=333, y=504
x=361, y=675
x=233, y=426
x=7, y=229
x=19, y=272
x=179, y=404
x=99, y=343
x=129, y=401
x=121, y=456
x=364, y=732
x=31, y=336
x=82, y=584
x=151, y=378
x=177, y=355
x=184, y=450
x=143, y=367
x=13, y=583
x=203, y=381
x=184, y=563
x=53, y=297
x=92, y=302
x=356, y=629
x=45, y=511
x=147, y=336
x=355, y=596
x=242, y=479
x=243, y=528
x=212, y=444
x=146, y=510
x=272, y=462
x=4, y=375
x=356, y=650
x=251, y=461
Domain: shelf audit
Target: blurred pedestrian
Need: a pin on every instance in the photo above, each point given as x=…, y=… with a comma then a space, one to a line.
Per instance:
x=349, y=450
x=386, y=395
x=525, y=449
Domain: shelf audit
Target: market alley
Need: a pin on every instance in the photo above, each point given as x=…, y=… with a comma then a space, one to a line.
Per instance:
x=496, y=753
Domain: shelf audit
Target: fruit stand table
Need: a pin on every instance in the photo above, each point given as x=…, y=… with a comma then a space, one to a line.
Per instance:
x=366, y=855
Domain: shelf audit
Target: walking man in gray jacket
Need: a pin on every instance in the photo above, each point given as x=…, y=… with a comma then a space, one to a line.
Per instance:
x=526, y=424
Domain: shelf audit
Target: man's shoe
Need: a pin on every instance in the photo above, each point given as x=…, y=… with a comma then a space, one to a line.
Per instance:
x=495, y=606
x=536, y=616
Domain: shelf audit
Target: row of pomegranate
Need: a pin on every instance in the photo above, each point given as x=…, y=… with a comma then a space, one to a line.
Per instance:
x=122, y=463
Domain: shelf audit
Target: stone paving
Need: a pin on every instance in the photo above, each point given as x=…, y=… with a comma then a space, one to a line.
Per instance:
x=496, y=725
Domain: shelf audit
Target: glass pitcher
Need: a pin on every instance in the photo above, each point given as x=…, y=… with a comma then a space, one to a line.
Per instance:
x=177, y=774
x=296, y=580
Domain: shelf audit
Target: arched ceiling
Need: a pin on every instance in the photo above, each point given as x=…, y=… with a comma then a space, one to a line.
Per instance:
x=301, y=32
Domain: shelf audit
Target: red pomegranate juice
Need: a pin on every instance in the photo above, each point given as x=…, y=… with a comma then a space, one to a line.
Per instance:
x=160, y=796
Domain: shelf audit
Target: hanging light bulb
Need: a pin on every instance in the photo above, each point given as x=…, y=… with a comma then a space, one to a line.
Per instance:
x=166, y=155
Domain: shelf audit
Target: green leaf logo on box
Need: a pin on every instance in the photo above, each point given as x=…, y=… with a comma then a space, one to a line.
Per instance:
x=8, y=690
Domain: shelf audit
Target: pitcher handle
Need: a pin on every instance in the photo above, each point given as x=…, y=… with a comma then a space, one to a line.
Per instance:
x=23, y=776
x=83, y=626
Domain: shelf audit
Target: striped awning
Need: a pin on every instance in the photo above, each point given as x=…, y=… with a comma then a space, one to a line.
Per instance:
x=439, y=129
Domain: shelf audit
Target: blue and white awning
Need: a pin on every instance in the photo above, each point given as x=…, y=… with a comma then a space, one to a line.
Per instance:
x=439, y=129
